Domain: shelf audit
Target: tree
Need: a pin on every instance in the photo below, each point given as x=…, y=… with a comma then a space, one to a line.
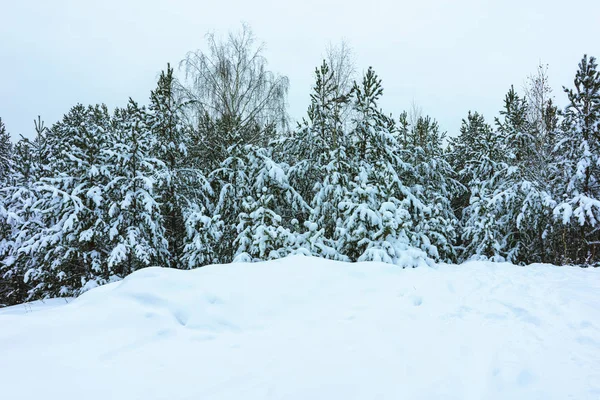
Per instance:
x=204, y=234
x=435, y=179
x=524, y=184
x=262, y=231
x=135, y=227
x=19, y=219
x=479, y=157
x=65, y=231
x=465, y=149
x=381, y=207
x=177, y=185
x=5, y=153
x=310, y=148
x=230, y=83
x=319, y=168
x=580, y=148
x=340, y=60
x=541, y=112
x=232, y=183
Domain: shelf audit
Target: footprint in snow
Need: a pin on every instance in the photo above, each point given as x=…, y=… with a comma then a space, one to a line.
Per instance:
x=525, y=378
x=417, y=300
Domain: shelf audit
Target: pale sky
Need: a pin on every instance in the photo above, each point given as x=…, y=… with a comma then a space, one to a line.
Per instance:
x=448, y=56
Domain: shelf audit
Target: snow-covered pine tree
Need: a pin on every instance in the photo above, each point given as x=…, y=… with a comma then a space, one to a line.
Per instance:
x=5, y=153
x=164, y=119
x=68, y=237
x=467, y=147
x=232, y=185
x=309, y=147
x=263, y=233
x=135, y=232
x=204, y=235
x=319, y=170
x=579, y=148
x=380, y=209
x=479, y=158
x=523, y=187
x=434, y=178
x=6, y=161
x=517, y=132
x=18, y=218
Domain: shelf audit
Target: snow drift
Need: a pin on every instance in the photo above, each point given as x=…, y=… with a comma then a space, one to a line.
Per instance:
x=306, y=328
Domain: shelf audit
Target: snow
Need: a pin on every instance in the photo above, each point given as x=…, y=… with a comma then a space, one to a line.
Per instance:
x=35, y=306
x=307, y=328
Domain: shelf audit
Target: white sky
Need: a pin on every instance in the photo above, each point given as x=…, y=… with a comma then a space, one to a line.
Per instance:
x=448, y=56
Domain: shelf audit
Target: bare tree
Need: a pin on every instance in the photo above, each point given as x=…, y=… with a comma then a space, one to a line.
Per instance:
x=542, y=120
x=540, y=109
x=231, y=81
x=415, y=113
x=340, y=59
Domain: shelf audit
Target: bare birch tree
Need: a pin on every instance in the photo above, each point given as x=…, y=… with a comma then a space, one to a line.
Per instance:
x=231, y=81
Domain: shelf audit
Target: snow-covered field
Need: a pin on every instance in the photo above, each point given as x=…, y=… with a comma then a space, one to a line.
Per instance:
x=304, y=328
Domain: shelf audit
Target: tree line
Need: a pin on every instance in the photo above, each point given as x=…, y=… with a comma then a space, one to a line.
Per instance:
x=210, y=171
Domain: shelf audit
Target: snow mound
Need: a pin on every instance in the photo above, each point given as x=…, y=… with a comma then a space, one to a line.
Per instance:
x=307, y=328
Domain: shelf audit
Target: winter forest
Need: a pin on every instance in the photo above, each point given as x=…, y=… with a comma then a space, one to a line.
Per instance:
x=210, y=169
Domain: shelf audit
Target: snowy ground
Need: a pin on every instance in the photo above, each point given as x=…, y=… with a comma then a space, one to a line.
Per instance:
x=303, y=328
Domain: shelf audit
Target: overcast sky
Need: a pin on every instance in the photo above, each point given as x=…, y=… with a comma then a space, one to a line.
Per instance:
x=449, y=56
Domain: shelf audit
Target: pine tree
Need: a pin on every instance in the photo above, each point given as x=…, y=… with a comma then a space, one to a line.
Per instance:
x=165, y=124
x=19, y=219
x=517, y=132
x=319, y=170
x=468, y=146
x=5, y=153
x=480, y=159
x=580, y=149
x=68, y=239
x=435, y=180
x=135, y=231
x=309, y=148
x=231, y=183
x=524, y=185
x=380, y=209
x=204, y=234
x=262, y=231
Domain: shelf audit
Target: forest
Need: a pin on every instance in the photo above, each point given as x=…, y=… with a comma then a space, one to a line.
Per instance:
x=211, y=170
